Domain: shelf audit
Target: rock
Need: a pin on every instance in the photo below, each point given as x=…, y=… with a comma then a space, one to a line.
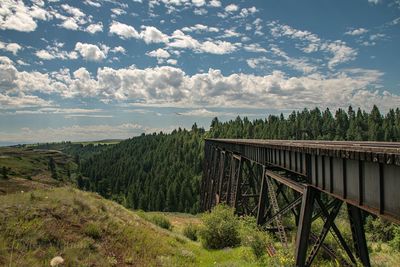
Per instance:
x=56, y=261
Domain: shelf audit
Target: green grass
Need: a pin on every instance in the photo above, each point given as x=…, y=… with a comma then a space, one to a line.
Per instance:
x=87, y=230
x=28, y=169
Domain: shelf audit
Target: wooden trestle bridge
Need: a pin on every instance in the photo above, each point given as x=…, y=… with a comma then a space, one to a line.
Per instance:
x=309, y=179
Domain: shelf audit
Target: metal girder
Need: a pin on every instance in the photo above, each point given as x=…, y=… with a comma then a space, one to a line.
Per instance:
x=357, y=229
x=304, y=228
x=284, y=210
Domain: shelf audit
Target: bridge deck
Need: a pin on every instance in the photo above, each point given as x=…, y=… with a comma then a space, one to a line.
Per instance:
x=385, y=152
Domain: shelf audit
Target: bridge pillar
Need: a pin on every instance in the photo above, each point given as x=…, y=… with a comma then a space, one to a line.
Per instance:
x=357, y=230
x=304, y=227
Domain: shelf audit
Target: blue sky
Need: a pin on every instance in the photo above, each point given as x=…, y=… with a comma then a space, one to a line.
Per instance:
x=95, y=69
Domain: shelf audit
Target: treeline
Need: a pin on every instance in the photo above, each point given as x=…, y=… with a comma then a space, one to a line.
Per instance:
x=163, y=171
x=315, y=124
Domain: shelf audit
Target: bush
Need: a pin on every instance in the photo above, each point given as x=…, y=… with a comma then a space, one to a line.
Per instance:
x=92, y=230
x=252, y=236
x=190, y=231
x=395, y=243
x=220, y=228
x=161, y=221
x=380, y=230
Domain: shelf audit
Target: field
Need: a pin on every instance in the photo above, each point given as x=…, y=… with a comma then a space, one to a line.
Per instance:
x=28, y=168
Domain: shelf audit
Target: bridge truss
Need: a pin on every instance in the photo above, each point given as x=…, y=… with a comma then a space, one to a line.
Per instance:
x=310, y=180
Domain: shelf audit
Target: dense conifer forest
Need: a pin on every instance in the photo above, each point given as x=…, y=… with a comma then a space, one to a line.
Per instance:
x=162, y=171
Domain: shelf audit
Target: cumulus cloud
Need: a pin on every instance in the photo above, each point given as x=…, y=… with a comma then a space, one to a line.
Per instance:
x=182, y=40
x=124, y=31
x=171, y=86
x=118, y=49
x=151, y=34
x=93, y=28
x=10, y=47
x=358, y=31
x=200, y=28
x=254, y=48
x=14, y=15
x=231, y=8
x=159, y=53
x=90, y=52
x=214, y=3
x=69, y=24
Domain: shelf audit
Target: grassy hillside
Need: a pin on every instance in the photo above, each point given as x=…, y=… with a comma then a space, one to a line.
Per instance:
x=87, y=230
x=28, y=168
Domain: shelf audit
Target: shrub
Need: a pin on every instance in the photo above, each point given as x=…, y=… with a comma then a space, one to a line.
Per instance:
x=395, y=243
x=190, y=231
x=92, y=230
x=220, y=228
x=252, y=236
x=379, y=229
x=161, y=221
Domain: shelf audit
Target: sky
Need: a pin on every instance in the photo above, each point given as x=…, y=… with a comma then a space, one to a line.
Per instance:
x=98, y=69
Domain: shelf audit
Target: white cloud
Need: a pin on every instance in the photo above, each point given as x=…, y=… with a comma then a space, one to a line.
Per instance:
x=118, y=49
x=172, y=61
x=22, y=101
x=151, y=34
x=14, y=15
x=52, y=52
x=200, y=11
x=43, y=54
x=231, y=8
x=375, y=2
x=159, y=53
x=92, y=3
x=10, y=47
x=96, y=27
x=171, y=86
x=181, y=40
x=338, y=50
x=118, y=11
x=215, y=3
x=74, y=11
x=124, y=31
x=199, y=3
x=358, y=31
x=341, y=52
x=90, y=52
x=200, y=28
x=254, y=48
x=244, y=12
x=69, y=24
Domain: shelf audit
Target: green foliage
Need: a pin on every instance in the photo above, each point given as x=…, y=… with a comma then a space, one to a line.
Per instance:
x=156, y=172
x=395, y=242
x=191, y=231
x=252, y=236
x=220, y=228
x=92, y=230
x=161, y=221
x=380, y=230
x=4, y=173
